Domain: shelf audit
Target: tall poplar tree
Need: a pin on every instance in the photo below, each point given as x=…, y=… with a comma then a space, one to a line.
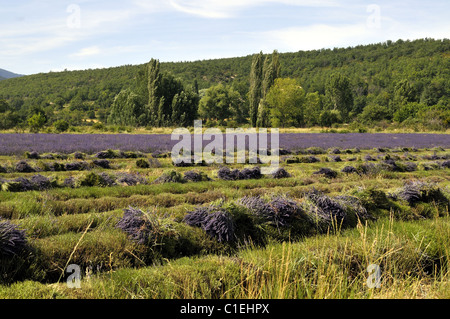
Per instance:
x=271, y=71
x=256, y=75
x=154, y=88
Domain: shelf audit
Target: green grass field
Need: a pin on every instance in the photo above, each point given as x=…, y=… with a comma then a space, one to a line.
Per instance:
x=77, y=225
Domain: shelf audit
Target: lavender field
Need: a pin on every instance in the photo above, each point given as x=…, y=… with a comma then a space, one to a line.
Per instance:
x=68, y=143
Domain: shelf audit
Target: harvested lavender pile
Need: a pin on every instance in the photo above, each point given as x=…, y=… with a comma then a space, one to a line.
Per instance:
x=341, y=210
x=22, y=184
x=136, y=225
x=215, y=221
x=194, y=176
x=169, y=177
x=418, y=191
x=280, y=173
x=279, y=211
x=12, y=239
x=327, y=172
x=231, y=175
x=324, y=208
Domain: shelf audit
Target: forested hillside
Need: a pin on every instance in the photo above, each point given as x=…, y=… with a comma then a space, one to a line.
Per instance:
x=404, y=82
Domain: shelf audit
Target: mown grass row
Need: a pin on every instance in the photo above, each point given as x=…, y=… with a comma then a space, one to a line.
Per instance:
x=77, y=225
x=93, y=238
x=413, y=257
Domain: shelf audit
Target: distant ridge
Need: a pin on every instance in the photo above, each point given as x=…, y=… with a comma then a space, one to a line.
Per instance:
x=4, y=74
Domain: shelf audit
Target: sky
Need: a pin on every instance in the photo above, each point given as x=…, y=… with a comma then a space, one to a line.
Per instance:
x=54, y=35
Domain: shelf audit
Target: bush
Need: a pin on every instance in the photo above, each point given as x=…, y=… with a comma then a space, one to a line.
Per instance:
x=61, y=125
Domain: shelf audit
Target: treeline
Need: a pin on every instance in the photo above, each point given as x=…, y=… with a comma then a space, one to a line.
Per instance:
x=403, y=82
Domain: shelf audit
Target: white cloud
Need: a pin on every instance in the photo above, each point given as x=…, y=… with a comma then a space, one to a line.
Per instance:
x=227, y=9
x=90, y=51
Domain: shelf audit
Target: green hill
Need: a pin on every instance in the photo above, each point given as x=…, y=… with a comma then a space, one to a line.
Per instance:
x=4, y=74
x=374, y=72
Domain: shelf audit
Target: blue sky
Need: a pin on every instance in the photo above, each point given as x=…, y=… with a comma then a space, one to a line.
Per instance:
x=49, y=35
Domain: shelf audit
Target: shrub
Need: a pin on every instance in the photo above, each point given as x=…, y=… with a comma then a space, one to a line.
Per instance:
x=327, y=172
x=12, y=239
x=61, y=125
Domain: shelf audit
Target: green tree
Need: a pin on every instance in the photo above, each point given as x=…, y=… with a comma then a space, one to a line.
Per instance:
x=313, y=107
x=126, y=109
x=329, y=117
x=255, y=94
x=184, y=108
x=285, y=101
x=4, y=106
x=61, y=125
x=154, y=91
x=220, y=102
x=271, y=71
x=37, y=122
x=339, y=94
x=374, y=113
